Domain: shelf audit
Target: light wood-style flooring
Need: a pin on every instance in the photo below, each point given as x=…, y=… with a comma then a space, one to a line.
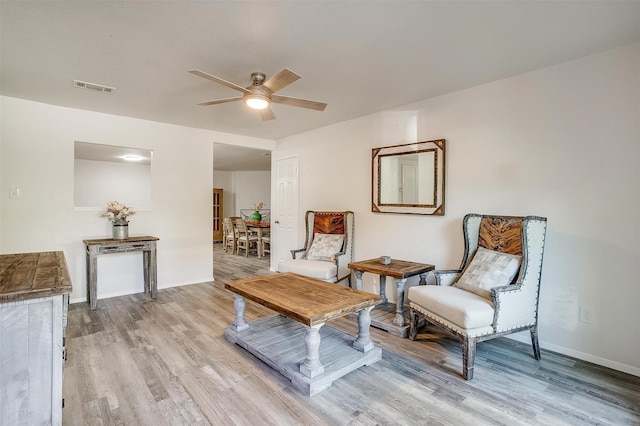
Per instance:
x=135, y=361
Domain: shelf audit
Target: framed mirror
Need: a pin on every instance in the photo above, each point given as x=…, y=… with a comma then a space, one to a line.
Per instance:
x=105, y=173
x=409, y=178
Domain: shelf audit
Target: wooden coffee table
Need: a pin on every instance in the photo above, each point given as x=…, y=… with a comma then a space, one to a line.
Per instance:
x=290, y=342
x=388, y=316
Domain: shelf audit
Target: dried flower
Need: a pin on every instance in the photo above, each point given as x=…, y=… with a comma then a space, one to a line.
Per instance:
x=259, y=205
x=117, y=212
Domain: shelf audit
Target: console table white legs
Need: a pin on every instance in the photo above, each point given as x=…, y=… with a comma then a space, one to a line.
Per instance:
x=147, y=245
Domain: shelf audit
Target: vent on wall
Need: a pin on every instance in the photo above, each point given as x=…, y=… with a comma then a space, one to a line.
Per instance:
x=93, y=86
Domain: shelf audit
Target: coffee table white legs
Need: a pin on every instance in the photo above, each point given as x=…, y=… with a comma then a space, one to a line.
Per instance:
x=399, y=319
x=311, y=367
x=239, y=323
x=363, y=343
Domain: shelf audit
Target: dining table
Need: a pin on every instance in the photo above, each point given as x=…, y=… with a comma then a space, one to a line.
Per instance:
x=259, y=228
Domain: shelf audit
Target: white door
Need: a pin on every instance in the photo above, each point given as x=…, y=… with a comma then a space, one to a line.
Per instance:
x=409, y=184
x=285, y=210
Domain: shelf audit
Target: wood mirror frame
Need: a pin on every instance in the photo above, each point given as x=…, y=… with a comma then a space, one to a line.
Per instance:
x=409, y=178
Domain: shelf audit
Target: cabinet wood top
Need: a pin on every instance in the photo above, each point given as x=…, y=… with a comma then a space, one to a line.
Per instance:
x=32, y=275
x=396, y=269
x=306, y=300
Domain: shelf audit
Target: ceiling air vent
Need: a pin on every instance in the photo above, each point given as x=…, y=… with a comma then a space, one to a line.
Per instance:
x=93, y=86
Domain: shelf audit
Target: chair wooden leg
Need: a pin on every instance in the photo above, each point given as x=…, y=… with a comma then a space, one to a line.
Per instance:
x=534, y=342
x=413, y=325
x=468, y=356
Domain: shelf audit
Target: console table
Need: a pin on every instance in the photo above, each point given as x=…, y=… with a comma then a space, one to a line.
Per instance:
x=388, y=316
x=146, y=244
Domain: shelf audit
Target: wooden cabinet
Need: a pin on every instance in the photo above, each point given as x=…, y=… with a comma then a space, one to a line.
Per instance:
x=34, y=293
x=218, y=214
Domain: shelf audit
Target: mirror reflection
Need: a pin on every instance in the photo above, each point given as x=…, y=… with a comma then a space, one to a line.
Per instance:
x=409, y=178
x=105, y=173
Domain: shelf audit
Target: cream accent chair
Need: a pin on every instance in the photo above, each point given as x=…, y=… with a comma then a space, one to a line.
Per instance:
x=332, y=267
x=477, y=314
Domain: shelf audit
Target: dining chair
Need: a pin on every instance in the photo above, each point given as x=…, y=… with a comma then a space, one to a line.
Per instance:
x=230, y=237
x=246, y=240
x=265, y=245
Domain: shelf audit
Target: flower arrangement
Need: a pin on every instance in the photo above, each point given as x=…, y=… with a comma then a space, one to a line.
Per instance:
x=259, y=206
x=117, y=212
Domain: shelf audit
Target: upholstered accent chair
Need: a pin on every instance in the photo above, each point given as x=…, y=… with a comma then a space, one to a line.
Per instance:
x=328, y=247
x=495, y=290
x=247, y=241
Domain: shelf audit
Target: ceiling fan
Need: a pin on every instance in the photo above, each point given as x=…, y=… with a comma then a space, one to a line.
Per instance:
x=260, y=94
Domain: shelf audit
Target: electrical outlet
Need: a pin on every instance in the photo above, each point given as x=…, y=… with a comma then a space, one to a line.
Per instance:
x=586, y=315
x=14, y=192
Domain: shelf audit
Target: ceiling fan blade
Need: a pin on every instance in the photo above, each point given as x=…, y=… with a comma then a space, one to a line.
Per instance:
x=267, y=114
x=220, y=101
x=303, y=103
x=219, y=80
x=280, y=80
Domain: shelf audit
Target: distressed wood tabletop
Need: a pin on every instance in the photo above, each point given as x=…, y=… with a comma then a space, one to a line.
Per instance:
x=306, y=300
x=396, y=269
x=99, y=241
x=32, y=275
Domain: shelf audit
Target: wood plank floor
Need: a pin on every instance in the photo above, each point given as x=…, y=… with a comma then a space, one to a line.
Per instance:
x=135, y=361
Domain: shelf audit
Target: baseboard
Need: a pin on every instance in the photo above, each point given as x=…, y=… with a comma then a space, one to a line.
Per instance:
x=579, y=355
x=85, y=299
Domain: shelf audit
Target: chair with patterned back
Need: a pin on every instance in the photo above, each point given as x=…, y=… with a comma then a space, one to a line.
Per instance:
x=328, y=247
x=246, y=240
x=495, y=290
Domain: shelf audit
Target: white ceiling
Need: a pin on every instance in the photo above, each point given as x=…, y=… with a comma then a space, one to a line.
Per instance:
x=360, y=57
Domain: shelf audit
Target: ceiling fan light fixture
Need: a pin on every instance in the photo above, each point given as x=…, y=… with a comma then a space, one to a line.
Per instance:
x=257, y=101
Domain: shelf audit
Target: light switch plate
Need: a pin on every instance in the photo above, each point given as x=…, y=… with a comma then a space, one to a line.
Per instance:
x=14, y=192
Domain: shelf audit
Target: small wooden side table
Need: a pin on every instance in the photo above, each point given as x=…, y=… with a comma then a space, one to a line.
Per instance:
x=146, y=244
x=387, y=316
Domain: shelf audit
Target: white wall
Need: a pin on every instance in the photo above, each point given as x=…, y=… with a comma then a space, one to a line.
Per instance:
x=252, y=188
x=243, y=189
x=96, y=181
x=562, y=142
x=37, y=143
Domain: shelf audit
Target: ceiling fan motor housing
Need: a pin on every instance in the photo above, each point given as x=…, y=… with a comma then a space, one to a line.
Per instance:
x=258, y=78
